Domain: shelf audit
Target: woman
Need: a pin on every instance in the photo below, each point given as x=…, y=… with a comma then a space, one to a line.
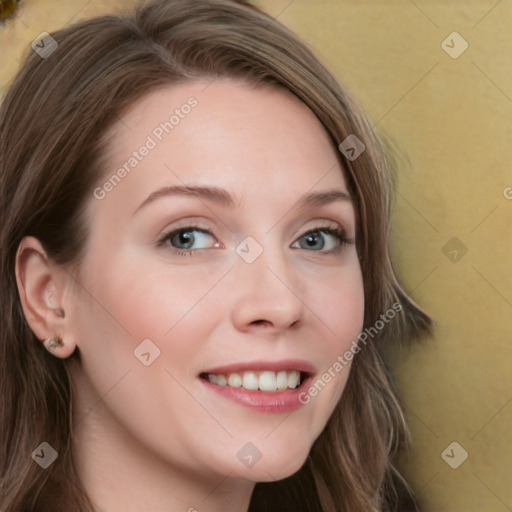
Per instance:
x=196, y=274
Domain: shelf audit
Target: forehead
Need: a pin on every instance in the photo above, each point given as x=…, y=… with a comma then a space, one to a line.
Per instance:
x=249, y=140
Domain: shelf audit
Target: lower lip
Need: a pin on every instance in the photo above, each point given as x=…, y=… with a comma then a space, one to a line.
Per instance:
x=262, y=401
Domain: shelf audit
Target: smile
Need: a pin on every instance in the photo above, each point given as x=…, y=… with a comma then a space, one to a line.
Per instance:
x=262, y=386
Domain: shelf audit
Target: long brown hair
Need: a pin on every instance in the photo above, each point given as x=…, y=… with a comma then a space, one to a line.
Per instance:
x=52, y=123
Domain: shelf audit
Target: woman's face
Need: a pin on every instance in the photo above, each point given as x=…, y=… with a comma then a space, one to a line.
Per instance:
x=256, y=289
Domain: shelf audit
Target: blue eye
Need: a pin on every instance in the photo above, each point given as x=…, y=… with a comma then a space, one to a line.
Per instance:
x=190, y=240
x=312, y=240
x=182, y=240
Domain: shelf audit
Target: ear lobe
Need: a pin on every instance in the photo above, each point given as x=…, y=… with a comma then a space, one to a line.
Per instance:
x=40, y=287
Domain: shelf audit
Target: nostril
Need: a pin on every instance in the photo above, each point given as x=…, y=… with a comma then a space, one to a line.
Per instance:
x=259, y=322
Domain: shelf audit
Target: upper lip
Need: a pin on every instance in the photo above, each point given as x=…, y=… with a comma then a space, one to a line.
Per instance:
x=259, y=366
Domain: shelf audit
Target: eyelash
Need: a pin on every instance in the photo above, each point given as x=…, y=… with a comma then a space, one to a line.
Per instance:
x=338, y=233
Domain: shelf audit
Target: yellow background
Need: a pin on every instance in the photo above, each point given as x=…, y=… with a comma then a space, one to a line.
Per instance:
x=452, y=118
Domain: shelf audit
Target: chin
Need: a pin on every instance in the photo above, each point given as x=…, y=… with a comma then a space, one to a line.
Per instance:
x=276, y=463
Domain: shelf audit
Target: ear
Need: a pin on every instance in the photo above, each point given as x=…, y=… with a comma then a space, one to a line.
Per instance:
x=42, y=287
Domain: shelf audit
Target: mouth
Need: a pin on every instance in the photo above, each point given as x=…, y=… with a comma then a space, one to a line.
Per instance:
x=262, y=386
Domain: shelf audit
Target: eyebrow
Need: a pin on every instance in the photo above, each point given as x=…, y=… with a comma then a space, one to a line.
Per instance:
x=224, y=198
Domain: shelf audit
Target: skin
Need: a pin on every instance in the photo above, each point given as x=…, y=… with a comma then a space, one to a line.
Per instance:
x=155, y=437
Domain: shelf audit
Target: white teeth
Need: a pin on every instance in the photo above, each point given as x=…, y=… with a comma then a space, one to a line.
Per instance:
x=234, y=380
x=250, y=380
x=282, y=380
x=264, y=381
x=268, y=381
x=221, y=380
x=293, y=379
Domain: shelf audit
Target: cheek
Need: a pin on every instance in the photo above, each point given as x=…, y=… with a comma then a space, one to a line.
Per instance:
x=133, y=302
x=339, y=304
x=148, y=299
x=338, y=301
x=127, y=303
x=342, y=311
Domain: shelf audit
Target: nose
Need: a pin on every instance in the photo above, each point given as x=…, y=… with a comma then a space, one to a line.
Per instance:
x=268, y=294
